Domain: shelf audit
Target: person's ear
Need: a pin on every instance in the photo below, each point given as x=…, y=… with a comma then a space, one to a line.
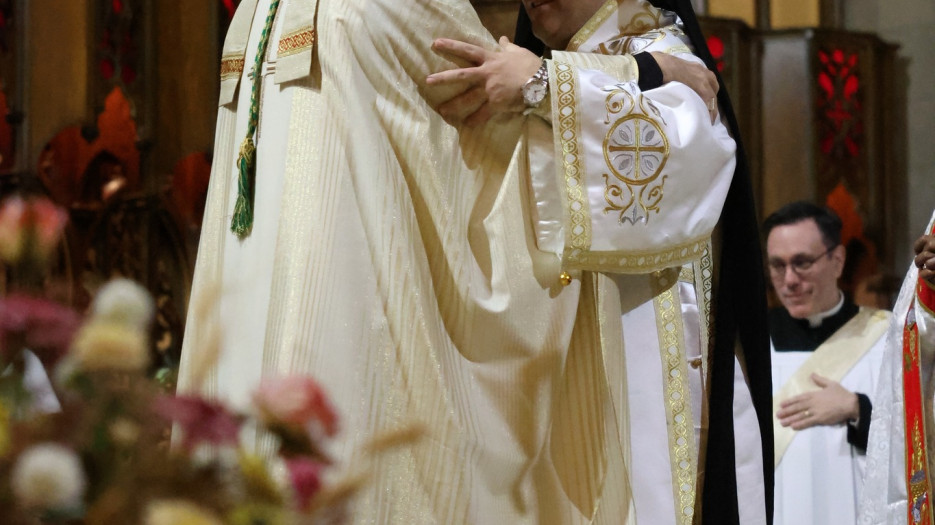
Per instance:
x=839, y=255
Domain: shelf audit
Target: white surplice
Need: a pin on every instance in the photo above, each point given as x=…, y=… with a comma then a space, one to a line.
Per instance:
x=819, y=474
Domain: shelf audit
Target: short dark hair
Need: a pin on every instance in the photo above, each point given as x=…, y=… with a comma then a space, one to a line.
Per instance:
x=828, y=222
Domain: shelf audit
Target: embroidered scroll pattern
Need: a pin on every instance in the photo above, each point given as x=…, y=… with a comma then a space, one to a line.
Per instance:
x=632, y=262
x=677, y=396
x=634, y=17
x=571, y=160
x=628, y=42
x=296, y=42
x=231, y=66
x=707, y=290
x=636, y=150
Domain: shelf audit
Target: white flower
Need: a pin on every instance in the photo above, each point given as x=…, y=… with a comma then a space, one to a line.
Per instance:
x=48, y=476
x=175, y=512
x=110, y=346
x=124, y=302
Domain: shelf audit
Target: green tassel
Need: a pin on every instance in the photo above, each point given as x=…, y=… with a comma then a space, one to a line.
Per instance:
x=242, y=222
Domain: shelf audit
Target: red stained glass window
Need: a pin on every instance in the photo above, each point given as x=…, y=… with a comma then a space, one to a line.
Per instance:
x=230, y=6
x=118, y=35
x=716, y=47
x=127, y=74
x=106, y=67
x=839, y=103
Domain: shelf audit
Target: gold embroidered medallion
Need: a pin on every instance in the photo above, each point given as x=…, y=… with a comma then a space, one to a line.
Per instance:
x=636, y=150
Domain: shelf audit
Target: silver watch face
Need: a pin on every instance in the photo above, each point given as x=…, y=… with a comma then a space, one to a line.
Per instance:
x=534, y=93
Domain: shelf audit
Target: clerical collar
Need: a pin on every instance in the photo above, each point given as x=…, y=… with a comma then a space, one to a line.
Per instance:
x=790, y=334
x=814, y=321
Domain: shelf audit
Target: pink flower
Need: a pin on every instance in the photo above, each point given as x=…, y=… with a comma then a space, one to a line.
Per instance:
x=48, y=222
x=34, y=226
x=305, y=475
x=44, y=327
x=12, y=228
x=202, y=421
x=296, y=401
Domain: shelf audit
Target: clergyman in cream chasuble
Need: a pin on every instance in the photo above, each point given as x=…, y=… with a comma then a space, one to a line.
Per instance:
x=404, y=264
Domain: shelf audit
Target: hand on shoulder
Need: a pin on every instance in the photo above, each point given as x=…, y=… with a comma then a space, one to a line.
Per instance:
x=696, y=76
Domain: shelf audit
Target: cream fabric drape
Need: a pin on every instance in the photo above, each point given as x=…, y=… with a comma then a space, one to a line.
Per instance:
x=392, y=258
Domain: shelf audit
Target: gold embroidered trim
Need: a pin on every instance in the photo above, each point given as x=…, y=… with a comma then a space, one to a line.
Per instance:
x=576, y=201
x=647, y=18
x=662, y=280
x=704, y=282
x=635, y=262
x=231, y=66
x=678, y=49
x=687, y=274
x=590, y=27
x=682, y=456
x=296, y=42
x=636, y=150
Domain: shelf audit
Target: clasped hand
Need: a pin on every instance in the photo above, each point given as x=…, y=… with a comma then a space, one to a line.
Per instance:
x=925, y=257
x=494, y=79
x=832, y=405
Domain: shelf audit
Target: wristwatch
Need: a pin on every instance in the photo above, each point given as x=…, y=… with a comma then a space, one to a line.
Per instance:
x=537, y=87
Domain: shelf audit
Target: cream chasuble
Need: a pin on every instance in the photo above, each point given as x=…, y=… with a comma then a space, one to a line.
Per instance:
x=392, y=259
x=818, y=473
x=401, y=262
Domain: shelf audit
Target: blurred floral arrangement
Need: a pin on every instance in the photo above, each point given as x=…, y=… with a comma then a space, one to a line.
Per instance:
x=85, y=433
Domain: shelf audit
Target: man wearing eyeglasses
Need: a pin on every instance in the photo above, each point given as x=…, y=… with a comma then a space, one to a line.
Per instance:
x=826, y=355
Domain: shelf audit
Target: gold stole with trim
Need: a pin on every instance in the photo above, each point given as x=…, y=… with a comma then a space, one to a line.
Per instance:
x=295, y=47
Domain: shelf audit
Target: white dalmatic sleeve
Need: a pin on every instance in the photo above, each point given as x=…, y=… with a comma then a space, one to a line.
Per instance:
x=632, y=182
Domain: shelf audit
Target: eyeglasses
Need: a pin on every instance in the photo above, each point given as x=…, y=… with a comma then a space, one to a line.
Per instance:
x=800, y=264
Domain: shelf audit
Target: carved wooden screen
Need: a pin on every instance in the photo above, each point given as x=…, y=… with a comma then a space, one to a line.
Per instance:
x=11, y=86
x=123, y=52
x=736, y=52
x=831, y=134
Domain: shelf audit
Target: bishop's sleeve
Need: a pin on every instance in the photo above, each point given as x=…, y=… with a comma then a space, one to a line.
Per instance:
x=625, y=180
